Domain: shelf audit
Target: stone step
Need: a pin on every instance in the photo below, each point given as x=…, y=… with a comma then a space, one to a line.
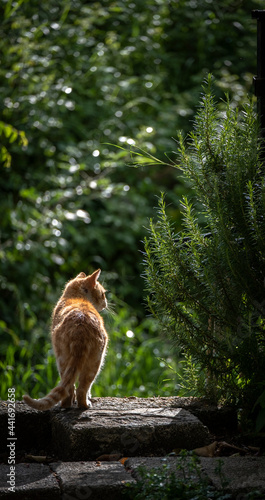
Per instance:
x=98, y=480
x=126, y=428
x=239, y=475
x=130, y=426
x=31, y=427
x=67, y=481
x=29, y=482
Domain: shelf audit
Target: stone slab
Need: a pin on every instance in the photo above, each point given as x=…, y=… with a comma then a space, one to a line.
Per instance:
x=180, y=467
x=243, y=474
x=98, y=480
x=92, y=480
x=37, y=424
x=128, y=429
x=32, y=482
x=215, y=417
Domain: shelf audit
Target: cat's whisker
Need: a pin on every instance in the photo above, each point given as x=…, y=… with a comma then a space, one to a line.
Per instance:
x=111, y=309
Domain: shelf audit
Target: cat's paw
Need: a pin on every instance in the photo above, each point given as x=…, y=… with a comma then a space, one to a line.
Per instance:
x=84, y=405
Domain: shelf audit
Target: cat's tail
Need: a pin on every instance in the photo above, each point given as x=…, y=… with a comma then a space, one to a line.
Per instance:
x=59, y=392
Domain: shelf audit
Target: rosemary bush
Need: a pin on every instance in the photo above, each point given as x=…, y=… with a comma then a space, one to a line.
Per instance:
x=206, y=284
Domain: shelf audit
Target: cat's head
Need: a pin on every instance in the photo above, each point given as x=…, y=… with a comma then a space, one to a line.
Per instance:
x=87, y=287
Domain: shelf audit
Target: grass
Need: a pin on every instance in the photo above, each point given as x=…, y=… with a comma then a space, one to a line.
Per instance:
x=138, y=363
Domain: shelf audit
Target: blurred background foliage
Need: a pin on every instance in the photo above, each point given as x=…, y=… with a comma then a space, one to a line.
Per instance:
x=76, y=78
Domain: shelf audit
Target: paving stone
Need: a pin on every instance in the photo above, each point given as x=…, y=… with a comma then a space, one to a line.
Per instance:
x=37, y=425
x=32, y=482
x=241, y=474
x=129, y=429
x=244, y=474
x=174, y=464
x=100, y=480
x=92, y=480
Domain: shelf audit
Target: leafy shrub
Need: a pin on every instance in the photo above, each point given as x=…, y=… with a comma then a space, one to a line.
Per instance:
x=206, y=283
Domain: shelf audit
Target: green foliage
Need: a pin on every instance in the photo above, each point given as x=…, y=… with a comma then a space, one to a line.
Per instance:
x=10, y=135
x=137, y=363
x=206, y=283
x=76, y=75
x=19, y=373
x=186, y=482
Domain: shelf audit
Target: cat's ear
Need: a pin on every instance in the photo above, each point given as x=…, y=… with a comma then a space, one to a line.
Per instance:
x=93, y=278
x=81, y=275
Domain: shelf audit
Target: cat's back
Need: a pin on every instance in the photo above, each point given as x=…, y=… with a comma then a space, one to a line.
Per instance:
x=76, y=312
x=76, y=316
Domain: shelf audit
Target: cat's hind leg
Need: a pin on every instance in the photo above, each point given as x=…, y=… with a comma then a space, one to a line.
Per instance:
x=69, y=400
x=86, y=379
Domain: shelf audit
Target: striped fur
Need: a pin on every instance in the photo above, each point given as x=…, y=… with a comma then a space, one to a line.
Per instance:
x=79, y=341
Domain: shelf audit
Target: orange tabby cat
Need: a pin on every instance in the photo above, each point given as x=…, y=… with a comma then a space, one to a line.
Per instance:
x=79, y=341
